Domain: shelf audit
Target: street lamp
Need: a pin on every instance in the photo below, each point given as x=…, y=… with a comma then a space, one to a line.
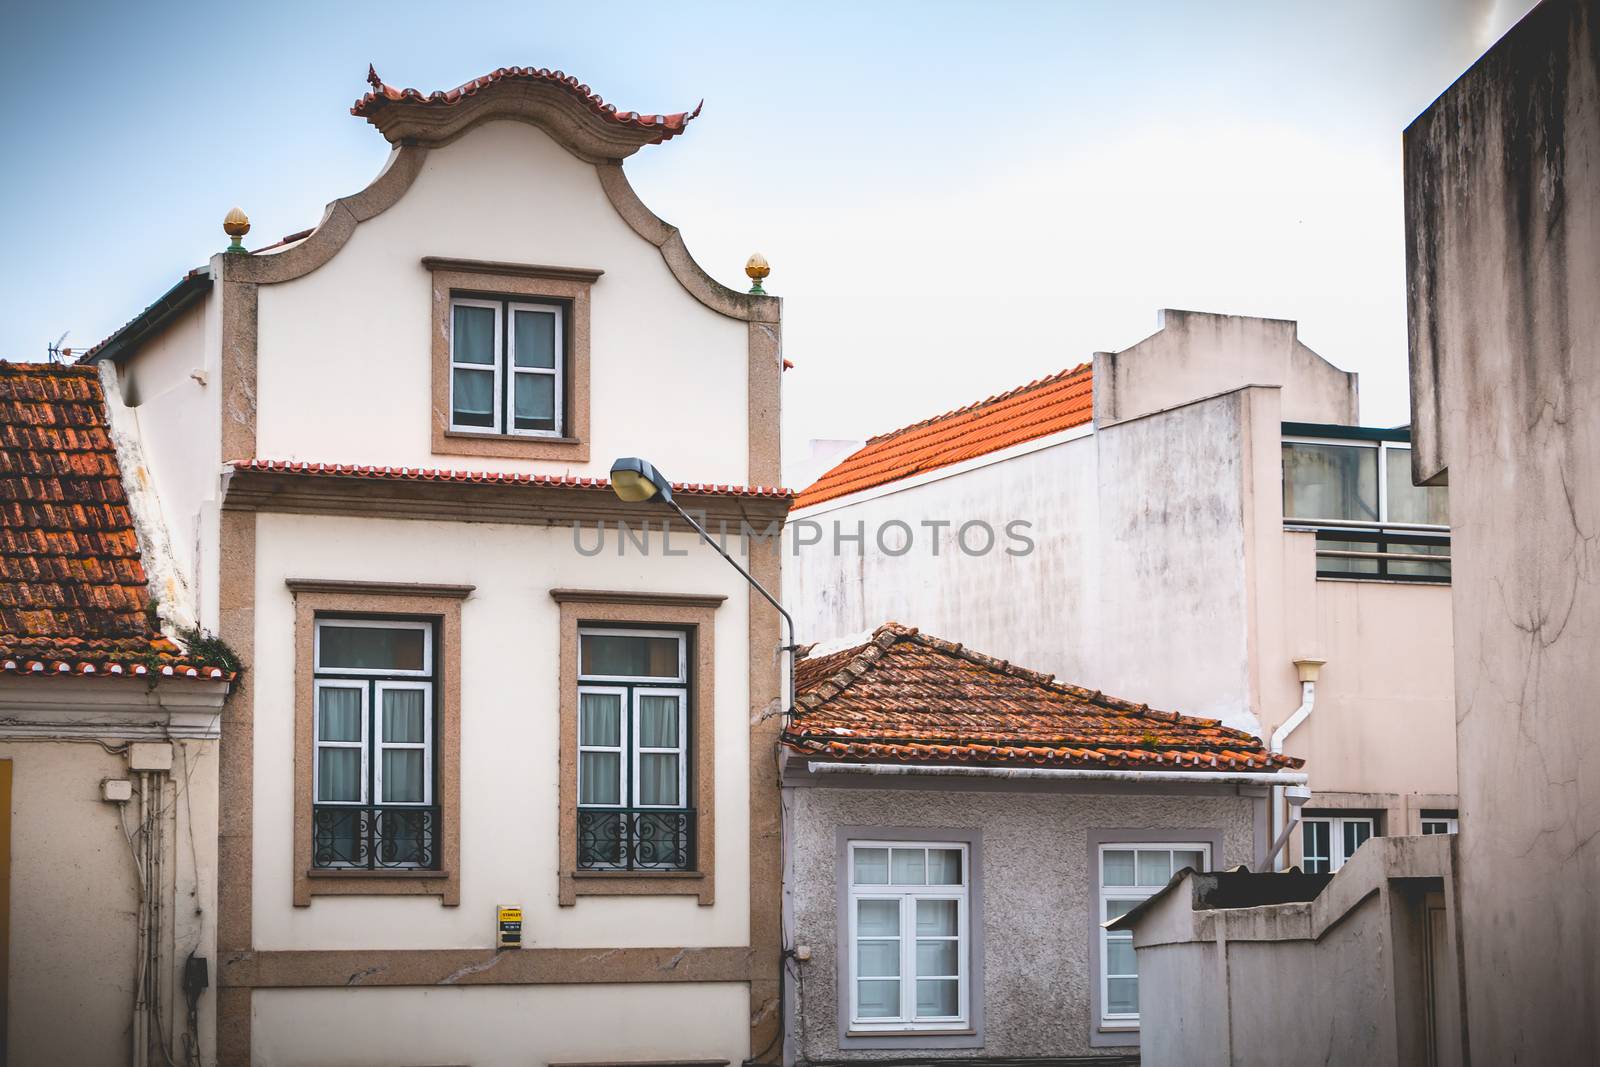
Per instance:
x=636, y=481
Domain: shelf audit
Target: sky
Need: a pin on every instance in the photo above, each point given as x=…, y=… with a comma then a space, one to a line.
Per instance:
x=955, y=198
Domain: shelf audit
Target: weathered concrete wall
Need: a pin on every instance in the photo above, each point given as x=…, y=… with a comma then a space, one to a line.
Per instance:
x=1038, y=894
x=1503, y=251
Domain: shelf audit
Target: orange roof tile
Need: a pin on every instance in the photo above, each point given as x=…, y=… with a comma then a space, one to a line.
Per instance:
x=1049, y=405
x=72, y=583
x=906, y=697
x=432, y=474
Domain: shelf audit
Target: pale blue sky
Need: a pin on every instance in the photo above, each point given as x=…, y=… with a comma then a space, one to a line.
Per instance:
x=955, y=198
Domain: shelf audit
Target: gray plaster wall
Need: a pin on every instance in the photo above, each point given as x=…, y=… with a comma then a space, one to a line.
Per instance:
x=1038, y=893
x=1503, y=261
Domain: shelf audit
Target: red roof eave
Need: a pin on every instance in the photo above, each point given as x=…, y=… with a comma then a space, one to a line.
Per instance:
x=432, y=474
x=55, y=668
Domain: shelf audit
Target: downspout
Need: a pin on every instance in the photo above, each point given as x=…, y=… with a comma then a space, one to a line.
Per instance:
x=1308, y=670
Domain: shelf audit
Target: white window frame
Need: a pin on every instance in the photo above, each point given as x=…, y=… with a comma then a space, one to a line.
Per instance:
x=1447, y=824
x=374, y=624
x=907, y=896
x=620, y=748
x=509, y=422
x=634, y=679
x=1107, y=893
x=681, y=748
x=1337, y=856
x=382, y=744
x=496, y=365
x=1382, y=448
x=318, y=744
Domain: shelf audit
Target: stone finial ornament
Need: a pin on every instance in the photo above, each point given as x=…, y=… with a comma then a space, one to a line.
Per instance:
x=756, y=268
x=236, y=224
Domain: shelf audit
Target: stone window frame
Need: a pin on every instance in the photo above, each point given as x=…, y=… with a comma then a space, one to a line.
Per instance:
x=1102, y=1035
x=695, y=614
x=569, y=286
x=972, y=1036
x=440, y=604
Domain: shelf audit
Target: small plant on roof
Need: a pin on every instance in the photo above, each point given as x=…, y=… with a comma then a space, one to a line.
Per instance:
x=1148, y=740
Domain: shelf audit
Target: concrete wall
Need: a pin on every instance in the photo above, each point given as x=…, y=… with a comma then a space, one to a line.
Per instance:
x=1038, y=895
x=74, y=901
x=1503, y=250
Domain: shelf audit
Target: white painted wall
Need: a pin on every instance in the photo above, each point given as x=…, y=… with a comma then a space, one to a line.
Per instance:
x=510, y=690
x=344, y=371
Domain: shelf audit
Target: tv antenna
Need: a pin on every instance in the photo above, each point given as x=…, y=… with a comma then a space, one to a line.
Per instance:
x=55, y=352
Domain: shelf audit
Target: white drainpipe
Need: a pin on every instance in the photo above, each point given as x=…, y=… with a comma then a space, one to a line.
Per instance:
x=1308, y=670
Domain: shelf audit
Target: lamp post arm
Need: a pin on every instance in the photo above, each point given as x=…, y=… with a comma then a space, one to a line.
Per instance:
x=788, y=619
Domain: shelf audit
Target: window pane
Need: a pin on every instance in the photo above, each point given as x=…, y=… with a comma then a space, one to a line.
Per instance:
x=1330, y=482
x=937, y=917
x=1120, y=957
x=1314, y=847
x=341, y=715
x=474, y=335
x=878, y=999
x=402, y=716
x=535, y=338
x=599, y=778
x=878, y=959
x=878, y=918
x=629, y=657
x=1413, y=503
x=658, y=721
x=1117, y=867
x=658, y=778
x=339, y=775
x=473, y=398
x=937, y=959
x=909, y=866
x=937, y=998
x=371, y=648
x=944, y=866
x=872, y=866
x=1355, y=832
x=1122, y=996
x=402, y=776
x=1188, y=858
x=534, y=397
x=1154, y=867
x=1116, y=909
x=600, y=719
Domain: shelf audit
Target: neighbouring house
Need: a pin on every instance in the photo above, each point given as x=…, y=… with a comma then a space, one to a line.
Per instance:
x=108, y=750
x=497, y=787
x=958, y=828
x=1503, y=260
x=1195, y=522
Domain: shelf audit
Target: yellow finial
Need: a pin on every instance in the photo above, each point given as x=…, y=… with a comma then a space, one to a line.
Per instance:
x=756, y=268
x=236, y=225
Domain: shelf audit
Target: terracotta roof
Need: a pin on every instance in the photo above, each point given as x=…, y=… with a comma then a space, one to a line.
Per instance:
x=1049, y=405
x=73, y=596
x=668, y=126
x=905, y=697
x=431, y=474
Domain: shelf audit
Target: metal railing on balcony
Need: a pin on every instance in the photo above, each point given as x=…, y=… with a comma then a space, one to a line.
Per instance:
x=374, y=837
x=636, y=839
x=1396, y=552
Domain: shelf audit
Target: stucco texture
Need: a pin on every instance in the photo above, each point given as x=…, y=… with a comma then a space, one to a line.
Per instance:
x=1037, y=896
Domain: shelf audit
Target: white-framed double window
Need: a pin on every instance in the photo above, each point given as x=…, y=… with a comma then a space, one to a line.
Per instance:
x=1130, y=874
x=909, y=944
x=633, y=749
x=1440, y=822
x=1327, y=841
x=506, y=366
x=373, y=757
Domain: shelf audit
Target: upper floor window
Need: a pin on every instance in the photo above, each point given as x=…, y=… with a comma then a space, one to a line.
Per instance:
x=1328, y=842
x=373, y=764
x=908, y=936
x=507, y=367
x=1440, y=822
x=1357, y=493
x=1130, y=874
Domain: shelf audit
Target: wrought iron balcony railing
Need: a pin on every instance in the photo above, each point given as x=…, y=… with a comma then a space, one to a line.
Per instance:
x=1396, y=552
x=636, y=839
x=374, y=837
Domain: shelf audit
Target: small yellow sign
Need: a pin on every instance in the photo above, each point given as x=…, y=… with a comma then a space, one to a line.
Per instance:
x=509, y=925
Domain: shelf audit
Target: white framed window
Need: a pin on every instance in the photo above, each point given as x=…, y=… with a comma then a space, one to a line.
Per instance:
x=1438, y=822
x=1130, y=874
x=633, y=749
x=1327, y=842
x=909, y=943
x=373, y=744
x=507, y=362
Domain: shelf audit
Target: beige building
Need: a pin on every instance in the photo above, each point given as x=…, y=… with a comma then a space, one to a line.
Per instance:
x=1196, y=522
x=475, y=680
x=108, y=750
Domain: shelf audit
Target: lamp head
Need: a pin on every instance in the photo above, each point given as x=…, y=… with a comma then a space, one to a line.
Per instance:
x=635, y=480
